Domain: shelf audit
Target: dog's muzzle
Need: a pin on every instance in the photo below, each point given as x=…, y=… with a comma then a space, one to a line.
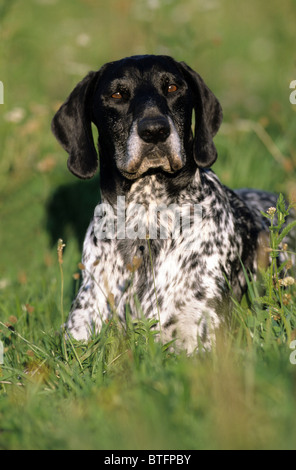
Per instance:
x=153, y=144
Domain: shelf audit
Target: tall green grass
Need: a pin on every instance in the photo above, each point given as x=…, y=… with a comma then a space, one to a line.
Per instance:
x=126, y=390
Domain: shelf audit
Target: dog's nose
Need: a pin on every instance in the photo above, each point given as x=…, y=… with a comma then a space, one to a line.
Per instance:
x=154, y=130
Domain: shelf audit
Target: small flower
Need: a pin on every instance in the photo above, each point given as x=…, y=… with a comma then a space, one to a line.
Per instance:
x=60, y=248
x=16, y=115
x=12, y=319
x=83, y=40
x=30, y=353
x=275, y=314
x=289, y=264
x=271, y=211
x=287, y=281
x=29, y=308
x=287, y=299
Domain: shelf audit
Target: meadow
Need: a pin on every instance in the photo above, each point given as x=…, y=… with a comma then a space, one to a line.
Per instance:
x=124, y=390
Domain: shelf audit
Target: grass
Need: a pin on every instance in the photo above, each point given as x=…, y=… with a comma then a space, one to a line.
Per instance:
x=124, y=390
x=111, y=392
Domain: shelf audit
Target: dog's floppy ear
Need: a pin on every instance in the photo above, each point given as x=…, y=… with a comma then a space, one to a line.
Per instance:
x=208, y=118
x=71, y=126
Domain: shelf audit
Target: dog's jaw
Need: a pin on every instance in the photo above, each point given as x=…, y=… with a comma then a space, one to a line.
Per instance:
x=167, y=157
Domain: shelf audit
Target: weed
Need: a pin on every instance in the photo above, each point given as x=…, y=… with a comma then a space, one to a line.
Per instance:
x=271, y=316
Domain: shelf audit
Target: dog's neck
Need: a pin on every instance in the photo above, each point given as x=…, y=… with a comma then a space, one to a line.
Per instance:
x=151, y=187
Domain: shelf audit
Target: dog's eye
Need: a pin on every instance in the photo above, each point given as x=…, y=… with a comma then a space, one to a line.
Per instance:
x=117, y=95
x=172, y=88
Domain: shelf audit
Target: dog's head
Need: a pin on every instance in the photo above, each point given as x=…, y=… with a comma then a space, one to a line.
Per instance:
x=142, y=107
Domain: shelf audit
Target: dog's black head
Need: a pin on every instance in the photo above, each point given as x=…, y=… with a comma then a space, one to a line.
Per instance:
x=142, y=107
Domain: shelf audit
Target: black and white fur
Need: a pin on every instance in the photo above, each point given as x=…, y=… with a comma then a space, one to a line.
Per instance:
x=142, y=107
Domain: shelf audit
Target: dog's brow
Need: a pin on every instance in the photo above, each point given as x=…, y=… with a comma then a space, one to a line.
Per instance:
x=120, y=81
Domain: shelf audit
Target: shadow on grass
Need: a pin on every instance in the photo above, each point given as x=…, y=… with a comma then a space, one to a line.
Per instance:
x=70, y=209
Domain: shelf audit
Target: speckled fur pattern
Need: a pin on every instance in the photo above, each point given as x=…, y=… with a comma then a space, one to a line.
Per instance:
x=190, y=291
x=185, y=283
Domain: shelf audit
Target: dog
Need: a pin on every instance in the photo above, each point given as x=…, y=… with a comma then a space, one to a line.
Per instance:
x=149, y=157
